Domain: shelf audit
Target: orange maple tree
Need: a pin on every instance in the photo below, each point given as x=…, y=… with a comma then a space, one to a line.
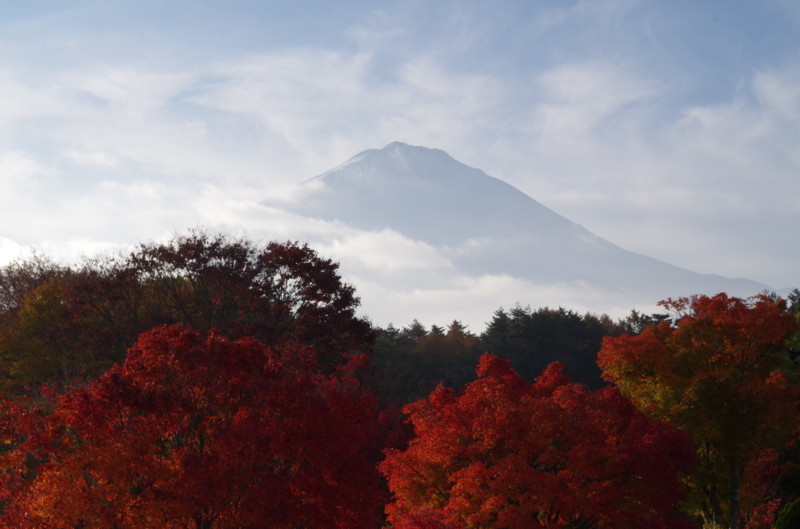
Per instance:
x=717, y=374
x=510, y=454
x=196, y=432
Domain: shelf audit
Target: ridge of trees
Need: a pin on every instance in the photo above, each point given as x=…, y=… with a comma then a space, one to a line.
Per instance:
x=209, y=383
x=411, y=361
x=59, y=324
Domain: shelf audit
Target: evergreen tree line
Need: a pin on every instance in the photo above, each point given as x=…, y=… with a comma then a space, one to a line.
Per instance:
x=410, y=362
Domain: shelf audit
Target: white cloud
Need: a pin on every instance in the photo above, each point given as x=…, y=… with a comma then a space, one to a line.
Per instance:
x=779, y=92
x=25, y=100
x=10, y=250
x=20, y=175
x=472, y=300
x=91, y=159
x=583, y=107
x=136, y=92
x=385, y=253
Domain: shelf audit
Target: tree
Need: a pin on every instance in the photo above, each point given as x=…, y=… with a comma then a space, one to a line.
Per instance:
x=497, y=337
x=636, y=322
x=414, y=332
x=717, y=375
x=789, y=517
x=18, y=278
x=407, y=365
x=794, y=301
x=510, y=454
x=196, y=432
x=283, y=291
x=59, y=324
x=534, y=339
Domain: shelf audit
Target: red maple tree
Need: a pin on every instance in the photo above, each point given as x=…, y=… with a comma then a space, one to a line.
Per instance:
x=196, y=432
x=512, y=454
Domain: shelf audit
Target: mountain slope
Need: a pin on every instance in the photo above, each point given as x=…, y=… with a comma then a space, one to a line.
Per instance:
x=485, y=226
x=424, y=194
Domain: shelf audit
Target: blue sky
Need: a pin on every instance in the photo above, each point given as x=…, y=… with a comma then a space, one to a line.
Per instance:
x=671, y=128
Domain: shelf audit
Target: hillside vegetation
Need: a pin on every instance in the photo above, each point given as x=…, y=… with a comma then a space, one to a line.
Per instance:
x=210, y=383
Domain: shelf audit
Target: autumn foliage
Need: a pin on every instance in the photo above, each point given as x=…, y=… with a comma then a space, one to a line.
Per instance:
x=512, y=454
x=196, y=432
x=61, y=324
x=207, y=383
x=718, y=374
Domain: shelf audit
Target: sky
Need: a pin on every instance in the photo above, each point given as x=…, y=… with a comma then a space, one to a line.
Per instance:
x=670, y=128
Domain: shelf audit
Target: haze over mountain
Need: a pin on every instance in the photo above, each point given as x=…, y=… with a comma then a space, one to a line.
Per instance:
x=485, y=227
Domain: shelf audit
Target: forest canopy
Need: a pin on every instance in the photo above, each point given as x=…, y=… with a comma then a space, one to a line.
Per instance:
x=59, y=324
x=210, y=383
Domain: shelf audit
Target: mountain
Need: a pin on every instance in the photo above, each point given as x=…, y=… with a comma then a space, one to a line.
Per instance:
x=486, y=226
